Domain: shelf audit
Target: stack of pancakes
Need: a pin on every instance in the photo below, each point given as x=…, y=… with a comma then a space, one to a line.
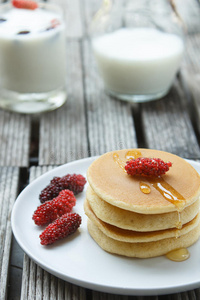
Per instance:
x=138, y=216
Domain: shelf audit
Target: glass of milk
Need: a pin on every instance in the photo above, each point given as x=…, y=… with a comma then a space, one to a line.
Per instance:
x=137, y=56
x=32, y=58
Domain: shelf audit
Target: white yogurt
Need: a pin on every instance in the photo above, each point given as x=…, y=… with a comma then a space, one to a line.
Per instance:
x=140, y=61
x=32, y=53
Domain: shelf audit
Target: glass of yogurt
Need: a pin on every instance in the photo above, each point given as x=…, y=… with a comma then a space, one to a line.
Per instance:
x=32, y=57
x=138, y=56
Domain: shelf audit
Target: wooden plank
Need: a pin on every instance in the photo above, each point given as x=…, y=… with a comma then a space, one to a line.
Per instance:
x=185, y=15
x=90, y=8
x=110, y=121
x=197, y=292
x=105, y=296
x=15, y=271
x=63, y=135
x=191, y=74
x=98, y=7
x=189, y=295
x=14, y=139
x=192, y=55
x=8, y=190
x=189, y=13
x=167, y=125
x=192, y=82
x=72, y=14
x=37, y=284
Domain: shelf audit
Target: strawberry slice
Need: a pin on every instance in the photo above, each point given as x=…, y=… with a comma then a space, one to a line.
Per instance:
x=25, y=4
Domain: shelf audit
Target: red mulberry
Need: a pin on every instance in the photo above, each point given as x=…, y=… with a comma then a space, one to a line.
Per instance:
x=60, y=228
x=51, y=210
x=72, y=182
x=144, y=166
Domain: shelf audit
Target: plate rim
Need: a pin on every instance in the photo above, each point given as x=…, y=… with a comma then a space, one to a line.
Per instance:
x=85, y=283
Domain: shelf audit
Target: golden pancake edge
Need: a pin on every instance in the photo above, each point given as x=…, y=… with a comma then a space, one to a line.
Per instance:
x=139, y=222
x=129, y=236
x=113, y=185
x=126, y=219
x=142, y=250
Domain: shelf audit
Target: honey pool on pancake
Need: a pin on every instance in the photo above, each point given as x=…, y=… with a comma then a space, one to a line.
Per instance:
x=167, y=191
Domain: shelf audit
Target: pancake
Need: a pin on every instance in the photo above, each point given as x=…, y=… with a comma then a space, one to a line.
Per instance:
x=130, y=236
x=138, y=222
x=177, y=189
x=142, y=250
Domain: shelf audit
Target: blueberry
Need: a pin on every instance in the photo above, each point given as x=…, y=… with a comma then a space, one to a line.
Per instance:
x=24, y=32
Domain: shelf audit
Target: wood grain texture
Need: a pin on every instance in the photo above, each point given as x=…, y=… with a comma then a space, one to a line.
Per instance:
x=167, y=125
x=192, y=55
x=105, y=296
x=8, y=190
x=72, y=14
x=37, y=284
x=189, y=13
x=14, y=139
x=192, y=83
x=63, y=135
x=191, y=74
x=90, y=8
x=190, y=295
x=109, y=121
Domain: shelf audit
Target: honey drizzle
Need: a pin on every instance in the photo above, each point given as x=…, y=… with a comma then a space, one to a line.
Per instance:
x=168, y=192
x=133, y=154
x=178, y=254
x=129, y=155
x=179, y=224
x=120, y=162
x=145, y=188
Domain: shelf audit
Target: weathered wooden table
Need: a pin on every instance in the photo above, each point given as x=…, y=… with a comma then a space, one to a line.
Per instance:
x=90, y=123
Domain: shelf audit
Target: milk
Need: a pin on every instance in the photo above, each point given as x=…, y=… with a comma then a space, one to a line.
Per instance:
x=32, y=56
x=140, y=61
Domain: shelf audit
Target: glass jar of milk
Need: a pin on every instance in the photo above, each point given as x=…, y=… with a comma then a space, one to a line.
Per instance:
x=138, y=48
x=32, y=58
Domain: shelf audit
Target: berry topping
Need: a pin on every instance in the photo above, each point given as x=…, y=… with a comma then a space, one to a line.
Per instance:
x=26, y=4
x=55, y=23
x=53, y=209
x=72, y=182
x=24, y=32
x=143, y=166
x=60, y=228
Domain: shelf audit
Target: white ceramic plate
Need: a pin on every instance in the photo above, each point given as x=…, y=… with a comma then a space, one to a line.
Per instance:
x=79, y=260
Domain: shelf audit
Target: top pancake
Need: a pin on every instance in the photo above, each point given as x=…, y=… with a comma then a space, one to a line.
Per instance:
x=111, y=183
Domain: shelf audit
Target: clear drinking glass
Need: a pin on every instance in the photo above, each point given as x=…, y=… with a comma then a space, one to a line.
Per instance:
x=138, y=48
x=32, y=58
